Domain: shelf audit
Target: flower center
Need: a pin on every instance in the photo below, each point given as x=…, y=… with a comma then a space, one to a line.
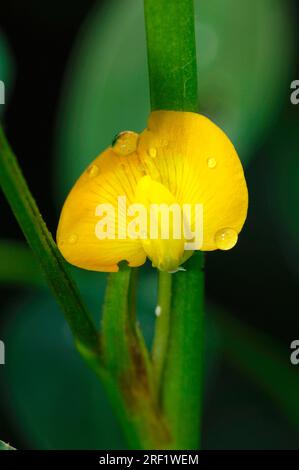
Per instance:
x=163, y=241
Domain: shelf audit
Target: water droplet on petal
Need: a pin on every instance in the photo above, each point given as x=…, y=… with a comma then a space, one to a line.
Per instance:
x=226, y=238
x=212, y=162
x=92, y=171
x=125, y=143
x=73, y=239
x=152, y=152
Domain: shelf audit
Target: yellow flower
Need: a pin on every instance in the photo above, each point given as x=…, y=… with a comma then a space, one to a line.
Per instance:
x=182, y=160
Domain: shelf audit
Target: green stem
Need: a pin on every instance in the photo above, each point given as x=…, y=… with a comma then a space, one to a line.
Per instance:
x=171, y=54
x=116, y=325
x=182, y=381
x=133, y=296
x=162, y=326
x=128, y=378
x=53, y=265
x=173, y=86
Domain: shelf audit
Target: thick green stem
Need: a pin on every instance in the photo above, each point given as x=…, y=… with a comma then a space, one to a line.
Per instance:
x=162, y=326
x=182, y=381
x=173, y=86
x=128, y=373
x=171, y=54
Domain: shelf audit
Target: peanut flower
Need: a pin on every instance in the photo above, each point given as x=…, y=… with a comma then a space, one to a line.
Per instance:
x=181, y=161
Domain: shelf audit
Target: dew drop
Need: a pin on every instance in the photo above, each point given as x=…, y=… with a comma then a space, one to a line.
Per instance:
x=125, y=143
x=73, y=239
x=226, y=238
x=92, y=171
x=152, y=152
x=212, y=162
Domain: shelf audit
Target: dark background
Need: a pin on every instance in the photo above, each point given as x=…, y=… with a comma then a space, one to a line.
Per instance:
x=40, y=35
x=257, y=283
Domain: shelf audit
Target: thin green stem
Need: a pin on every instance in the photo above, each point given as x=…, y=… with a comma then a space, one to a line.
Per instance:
x=116, y=326
x=173, y=86
x=129, y=379
x=133, y=296
x=162, y=326
x=53, y=265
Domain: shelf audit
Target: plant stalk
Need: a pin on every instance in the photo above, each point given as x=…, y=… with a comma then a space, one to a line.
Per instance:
x=128, y=378
x=173, y=86
x=161, y=335
x=52, y=263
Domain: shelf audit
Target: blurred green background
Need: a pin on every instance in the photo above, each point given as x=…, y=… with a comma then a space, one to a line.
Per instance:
x=75, y=75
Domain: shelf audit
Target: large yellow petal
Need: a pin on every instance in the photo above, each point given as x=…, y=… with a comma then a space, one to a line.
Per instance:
x=111, y=175
x=197, y=162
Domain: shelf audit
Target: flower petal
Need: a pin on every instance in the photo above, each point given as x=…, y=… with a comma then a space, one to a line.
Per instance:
x=164, y=241
x=110, y=176
x=196, y=161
